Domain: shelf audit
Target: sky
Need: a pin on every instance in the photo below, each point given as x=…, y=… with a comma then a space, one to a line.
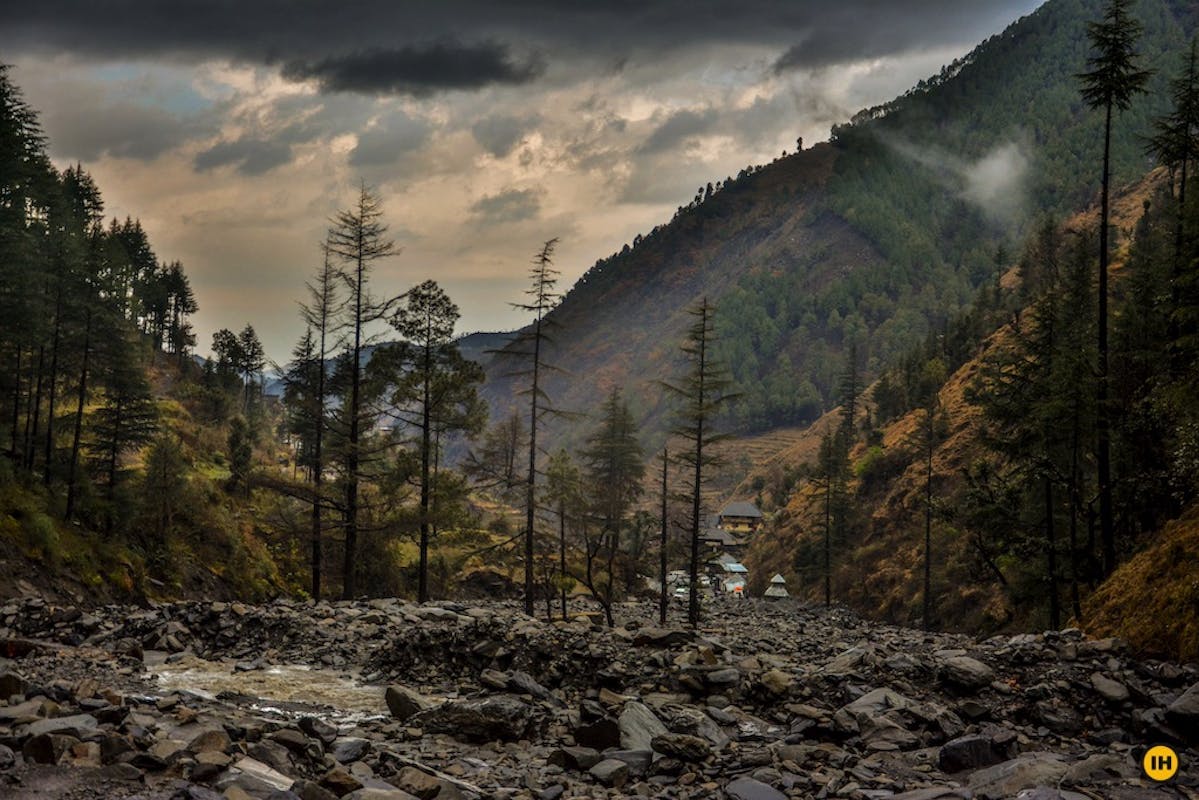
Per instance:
x=234, y=130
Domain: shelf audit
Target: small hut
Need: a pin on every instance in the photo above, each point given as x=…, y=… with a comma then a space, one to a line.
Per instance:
x=778, y=588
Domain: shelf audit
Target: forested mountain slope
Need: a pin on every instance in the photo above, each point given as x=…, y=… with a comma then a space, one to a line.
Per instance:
x=876, y=238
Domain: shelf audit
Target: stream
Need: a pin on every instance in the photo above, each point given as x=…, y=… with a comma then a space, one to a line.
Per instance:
x=288, y=690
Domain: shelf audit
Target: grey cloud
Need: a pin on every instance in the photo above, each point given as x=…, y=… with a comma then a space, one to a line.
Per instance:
x=382, y=45
x=510, y=205
x=123, y=130
x=388, y=141
x=417, y=70
x=500, y=133
x=250, y=156
x=679, y=127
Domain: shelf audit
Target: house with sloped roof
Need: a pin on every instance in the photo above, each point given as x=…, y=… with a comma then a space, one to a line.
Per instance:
x=740, y=517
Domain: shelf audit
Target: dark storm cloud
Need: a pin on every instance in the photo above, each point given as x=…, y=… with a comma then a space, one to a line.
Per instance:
x=250, y=156
x=510, y=205
x=376, y=46
x=418, y=70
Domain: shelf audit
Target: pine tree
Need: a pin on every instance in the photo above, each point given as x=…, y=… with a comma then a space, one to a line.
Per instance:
x=531, y=344
x=358, y=238
x=126, y=420
x=701, y=394
x=1111, y=82
x=307, y=385
x=1174, y=144
x=563, y=491
x=433, y=390
x=613, y=467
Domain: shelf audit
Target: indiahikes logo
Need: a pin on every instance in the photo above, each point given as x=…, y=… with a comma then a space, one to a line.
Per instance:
x=1160, y=763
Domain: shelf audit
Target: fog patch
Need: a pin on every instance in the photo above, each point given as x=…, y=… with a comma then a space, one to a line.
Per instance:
x=995, y=183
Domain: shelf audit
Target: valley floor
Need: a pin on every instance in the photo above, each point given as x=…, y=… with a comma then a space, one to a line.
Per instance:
x=390, y=700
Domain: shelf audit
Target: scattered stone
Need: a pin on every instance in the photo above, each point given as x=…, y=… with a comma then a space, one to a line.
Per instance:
x=966, y=673
x=611, y=772
x=1110, y=690
x=751, y=789
x=681, y=746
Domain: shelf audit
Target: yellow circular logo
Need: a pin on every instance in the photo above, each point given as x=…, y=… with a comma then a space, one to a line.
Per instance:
x=1160, y=763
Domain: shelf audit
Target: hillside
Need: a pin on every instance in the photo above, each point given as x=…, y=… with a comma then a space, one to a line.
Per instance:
x=877, y=237
x=981, y=583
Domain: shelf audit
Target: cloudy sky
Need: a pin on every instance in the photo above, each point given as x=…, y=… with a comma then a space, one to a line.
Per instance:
x=234, y=130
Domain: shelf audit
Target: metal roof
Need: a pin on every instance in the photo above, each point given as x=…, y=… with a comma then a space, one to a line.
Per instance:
x=741, y=509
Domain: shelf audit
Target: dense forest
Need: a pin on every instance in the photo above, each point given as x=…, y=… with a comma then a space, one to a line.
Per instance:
x=977, y=460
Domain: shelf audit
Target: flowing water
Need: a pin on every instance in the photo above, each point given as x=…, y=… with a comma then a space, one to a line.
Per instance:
x=289, y=690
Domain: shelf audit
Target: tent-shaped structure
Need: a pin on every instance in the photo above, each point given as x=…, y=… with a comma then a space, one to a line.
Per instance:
x=778, y=588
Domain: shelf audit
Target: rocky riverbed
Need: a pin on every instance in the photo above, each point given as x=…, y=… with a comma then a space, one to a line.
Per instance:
x=388, y=700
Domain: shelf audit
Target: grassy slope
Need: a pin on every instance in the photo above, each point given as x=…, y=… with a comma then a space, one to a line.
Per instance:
x=218, y=553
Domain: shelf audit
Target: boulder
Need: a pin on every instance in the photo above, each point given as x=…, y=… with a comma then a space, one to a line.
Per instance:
x=1183, y=714
x=964, y=672
x=403, y=703
x=500, y=717
x=1026, y=771
x=47, y=748
x=967, y=753
x=638, y=726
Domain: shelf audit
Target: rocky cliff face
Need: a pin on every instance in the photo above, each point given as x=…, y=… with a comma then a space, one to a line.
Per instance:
x=765, y=701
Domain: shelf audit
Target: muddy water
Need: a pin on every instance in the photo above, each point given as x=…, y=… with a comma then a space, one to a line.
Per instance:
x=285, y=690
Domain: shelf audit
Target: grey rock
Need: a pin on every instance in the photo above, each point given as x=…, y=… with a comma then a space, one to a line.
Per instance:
x=7, y=757
x=601, y=734
x=967, y=753
x=1183, y=714
x=723, y=678
x=73, y=725
x=967, y=673
x=1111, y=690
x=574, y=758
x=12, y=684
x=611, y=772
x=662, y=637
x=681, y=746
x=501, y=717
x=372, y=793
x=319, y=729
x=307, y=790
x=47, y=748
x=638, y=726
x=750, y=789
x=194, y=792
x=349, y=748
x=638, y=760
x=1026, y=771
x=403, y=703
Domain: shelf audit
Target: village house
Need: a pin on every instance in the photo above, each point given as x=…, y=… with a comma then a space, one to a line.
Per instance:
x=740, y=517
